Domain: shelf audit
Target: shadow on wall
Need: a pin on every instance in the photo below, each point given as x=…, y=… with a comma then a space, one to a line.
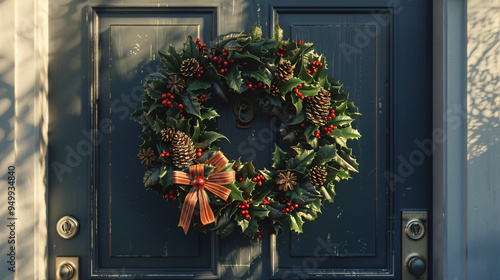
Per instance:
x=483, y=81
x=483, y=135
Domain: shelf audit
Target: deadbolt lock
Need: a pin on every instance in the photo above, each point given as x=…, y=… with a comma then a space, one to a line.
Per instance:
x=414, y=245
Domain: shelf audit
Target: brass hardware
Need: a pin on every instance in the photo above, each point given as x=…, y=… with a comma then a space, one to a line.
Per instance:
x=68, y=227
x=414, y=245
x=243, y=109
x=67, y=268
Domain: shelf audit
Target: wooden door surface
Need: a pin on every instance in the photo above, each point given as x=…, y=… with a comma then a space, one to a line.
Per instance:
x=100, y=54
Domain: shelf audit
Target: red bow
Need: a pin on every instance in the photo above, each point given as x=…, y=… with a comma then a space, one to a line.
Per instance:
x=212, y=183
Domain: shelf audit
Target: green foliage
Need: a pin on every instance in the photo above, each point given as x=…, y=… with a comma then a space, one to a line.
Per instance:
x=237, y=60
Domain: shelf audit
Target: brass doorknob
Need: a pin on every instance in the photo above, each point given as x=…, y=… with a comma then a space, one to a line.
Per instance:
x=65, y=271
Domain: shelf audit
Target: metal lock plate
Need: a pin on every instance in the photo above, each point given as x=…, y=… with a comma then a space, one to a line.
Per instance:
x=62, y=263
x=414, y=245
x=68, y=227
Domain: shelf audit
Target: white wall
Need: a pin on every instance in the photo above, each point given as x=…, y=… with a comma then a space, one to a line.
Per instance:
x=483, y=139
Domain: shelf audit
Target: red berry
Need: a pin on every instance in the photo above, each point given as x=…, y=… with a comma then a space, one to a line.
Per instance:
x=254, y=179
x=231, y=60
x=167, y=154
x=242, y=212
x=259, y=183
x=250, y=85
x=198, y=154
x=321, y=64
x=236, y=166
x=291, y=207
x=260, y=84
x=287, y=209
x=222, y=70
x=180, y=106
x=245, y=202
x=308, y=71
x=172, y=97
x=200, y=150
x=164, y=95
x=250, y=200
x=164, y=102
x=288, y=204
x=284, y=210
x=303, y=124
x=299, y=42
x=225, y=63
x=247, y=217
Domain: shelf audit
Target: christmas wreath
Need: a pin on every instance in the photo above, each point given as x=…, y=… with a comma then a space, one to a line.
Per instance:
x=180, y=139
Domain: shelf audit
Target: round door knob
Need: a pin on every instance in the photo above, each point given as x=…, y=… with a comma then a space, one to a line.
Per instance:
x=65, y=271
x=416, y=266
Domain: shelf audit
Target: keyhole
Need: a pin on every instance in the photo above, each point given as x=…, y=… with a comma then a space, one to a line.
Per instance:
x=416, y=229
x=66, y=227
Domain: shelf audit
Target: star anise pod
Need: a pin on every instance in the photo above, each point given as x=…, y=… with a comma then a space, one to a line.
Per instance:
x=286, y=181
x=176, y=84
x=147, y=157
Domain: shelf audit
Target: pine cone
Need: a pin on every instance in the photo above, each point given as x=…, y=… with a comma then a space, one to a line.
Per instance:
x=147, y=157
x=176, y=84
x=317, y=175
x=273, y=89
x=183, y=150
x=167, y=134
x=284, y=71
x=189, y=67
x=317, y=108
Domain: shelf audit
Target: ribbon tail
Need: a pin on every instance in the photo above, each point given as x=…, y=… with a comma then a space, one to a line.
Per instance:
x=218, y=190
x=188, y=209
x=206, y=214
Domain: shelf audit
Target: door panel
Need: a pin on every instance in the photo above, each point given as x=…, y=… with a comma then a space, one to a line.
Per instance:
x=357, y=49
x=100, y=56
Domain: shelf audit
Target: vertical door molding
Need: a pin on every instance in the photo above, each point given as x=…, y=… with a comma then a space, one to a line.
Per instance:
x=24, y=135
x=449, y=137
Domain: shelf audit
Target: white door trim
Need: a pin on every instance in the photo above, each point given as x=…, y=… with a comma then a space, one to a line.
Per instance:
x=24, y=133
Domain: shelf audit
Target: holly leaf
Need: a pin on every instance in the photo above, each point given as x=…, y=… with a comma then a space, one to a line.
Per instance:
x=243, y=223
x=295, y=223
x=297, y=103
x=350, y=133
x=191, y=104
x=259, y=75
x=190, y=49
x=166, y=176
x=207, y=138
x=256, y=32
x=340, y=120
x=196, y=84
x=252, y=228
x=301, y=161
x=278, y=33
x=279, y=158
x=236, y=193
x=325, y=154
x=208, y=113
x=246, y=186
x=234, y=78
x=309, y=90
x=172, y=60
x=258, y=211
x=151, y=177
x=298, y=118
x=247, y=171
x=344, y=158
x=287, y=86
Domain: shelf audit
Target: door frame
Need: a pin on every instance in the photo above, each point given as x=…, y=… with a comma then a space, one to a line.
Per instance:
x=28, y=87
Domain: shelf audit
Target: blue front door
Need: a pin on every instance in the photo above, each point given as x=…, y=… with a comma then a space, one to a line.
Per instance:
x=100, y=54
